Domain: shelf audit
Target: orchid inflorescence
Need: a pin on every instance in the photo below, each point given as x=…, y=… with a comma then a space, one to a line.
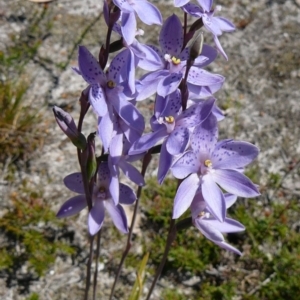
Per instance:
x=184, y=124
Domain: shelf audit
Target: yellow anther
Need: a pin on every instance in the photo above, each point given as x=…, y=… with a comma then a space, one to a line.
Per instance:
x=202, y=214
x=169, y=119
x=110, y=84
x=102, y=189
x=175, y=61
x=208, y=163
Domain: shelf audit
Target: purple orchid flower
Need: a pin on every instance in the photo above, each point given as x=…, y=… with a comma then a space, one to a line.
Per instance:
x=173, y=60
x=209, y=164
x=109, y=94
x=119, y=159
x=215, y=25
x=174, y=126
x=136, y=53
x=146, y=11
x=212, y=228
x=102, y=200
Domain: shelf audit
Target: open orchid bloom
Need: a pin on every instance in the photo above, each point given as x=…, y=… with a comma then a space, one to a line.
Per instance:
x=102, y=200
x=146, y=11
x=212, y=228
x=209, y=164
x=173, y=59
x=215, y=25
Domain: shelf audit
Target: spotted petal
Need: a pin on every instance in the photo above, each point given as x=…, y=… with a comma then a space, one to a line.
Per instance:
x=201, y=77
x=169, y=84
x=72, y=206
x=187, y=164
x=171, y=36
x=205, y=137
x=127, y=195
x=178, y=140
x=196, y=113
x=89, y=67
x=230, y=154
x=97, y=100
x=74, y=183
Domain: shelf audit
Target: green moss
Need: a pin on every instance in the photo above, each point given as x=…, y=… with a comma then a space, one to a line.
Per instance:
x=271, y=246
x=29, y=228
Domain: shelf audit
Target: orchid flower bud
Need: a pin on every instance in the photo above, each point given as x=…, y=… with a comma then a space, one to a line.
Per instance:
x=89, y=156
x=196, y=46
x=67, y=125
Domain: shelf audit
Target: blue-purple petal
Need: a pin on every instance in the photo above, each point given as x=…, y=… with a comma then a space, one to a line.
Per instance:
x=127, y=195
x=128, y=26
x=117, y=215
x=89, y=67
x=187, y=164
x=208, y=230
x=96, y=217
x=147, y=141
x=229, y=225
x=205, y=137
x=171, y=36
x=169, y=84
x=185, y=195
x=201, y=77
x=131, y=172
x=231, y=154
x=228, y=247
x=165, y=162
x=105, y=131
x=97, y=100
x=72, y=206
x=74, y=183
x=178, y=140
x=213, y=197
x=179, y=3
x=206, y=4
x=148, y=13
x=236, y=183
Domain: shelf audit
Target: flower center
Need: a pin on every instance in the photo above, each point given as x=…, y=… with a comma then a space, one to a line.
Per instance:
x=175, y=61
x=204, y=214
x=111, y=84
x=208, y=163
x=101, y=194
x=169, y=119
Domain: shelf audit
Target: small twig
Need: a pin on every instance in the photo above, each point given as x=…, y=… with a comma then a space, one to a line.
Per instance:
x=88, y=270
x=146, y=161
x=265, y=282
x=170, y=239
x=97, y=263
